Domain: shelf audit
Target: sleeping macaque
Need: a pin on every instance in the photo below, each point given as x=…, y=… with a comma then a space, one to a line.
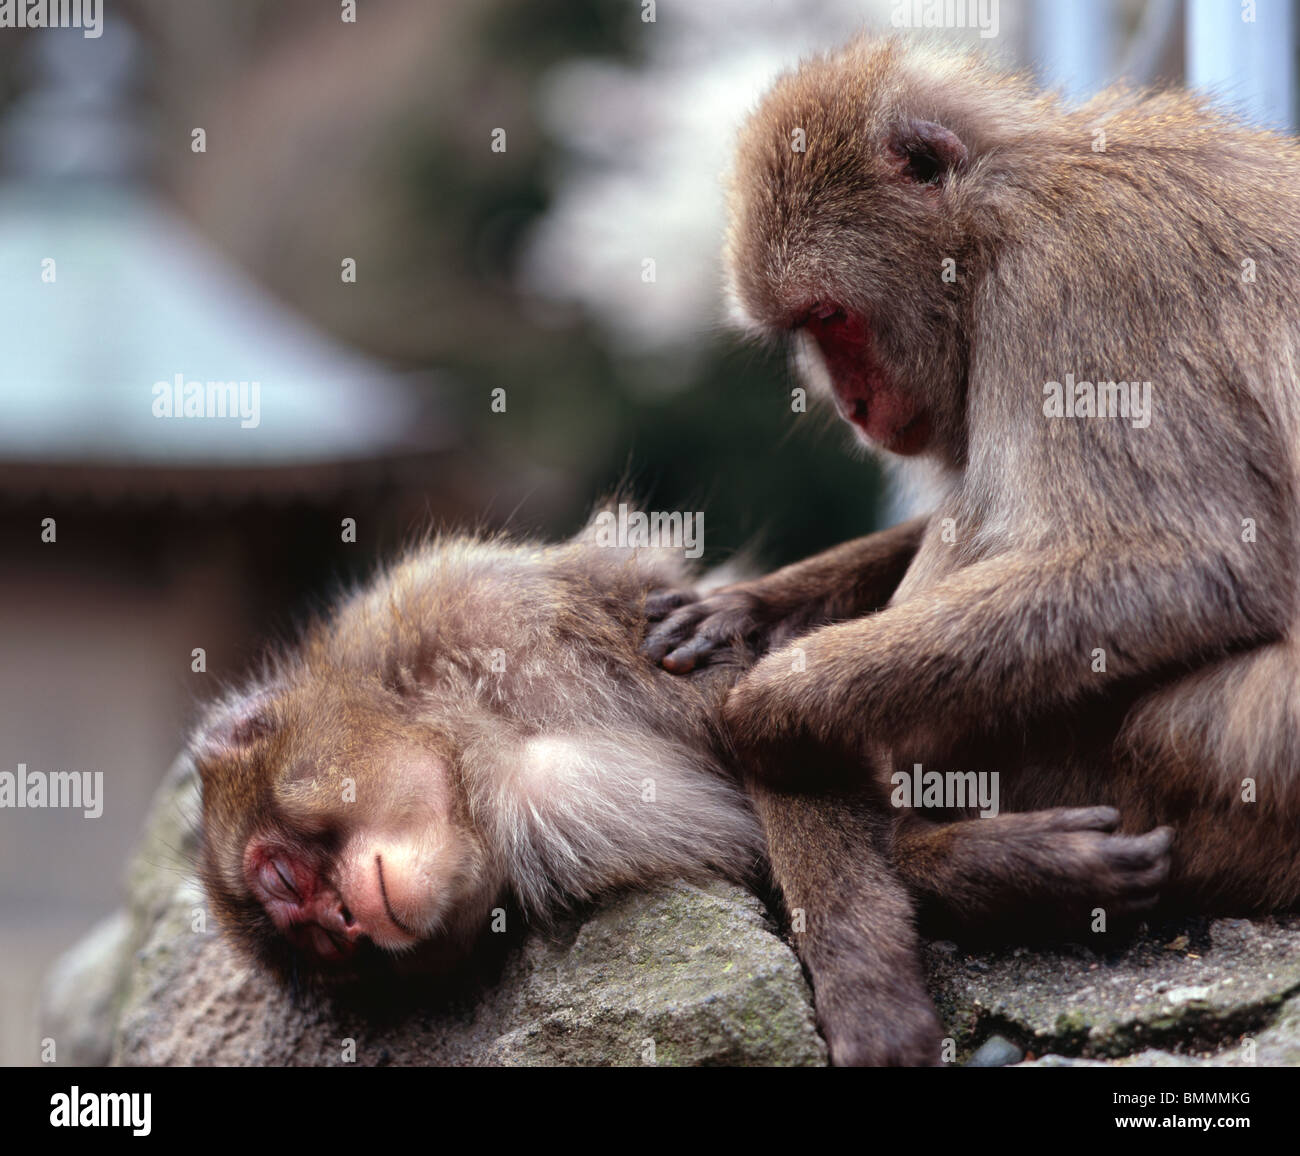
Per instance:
x=474, y=726
x=477, y=728
x=1085, y=325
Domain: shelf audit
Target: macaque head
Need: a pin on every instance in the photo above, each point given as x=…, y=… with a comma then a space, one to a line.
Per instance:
x=473, y=727
x=854, y=209
x=333, y=830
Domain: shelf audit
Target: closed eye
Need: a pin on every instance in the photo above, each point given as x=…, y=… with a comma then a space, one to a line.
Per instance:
x=285, y=879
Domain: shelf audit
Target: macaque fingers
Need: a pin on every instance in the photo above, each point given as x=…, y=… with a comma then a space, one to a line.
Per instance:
x=717, y=623
x=659, y=604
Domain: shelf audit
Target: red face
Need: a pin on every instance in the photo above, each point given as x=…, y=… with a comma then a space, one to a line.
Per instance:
x=865, y=395
x=312, y=908
x=351, y=844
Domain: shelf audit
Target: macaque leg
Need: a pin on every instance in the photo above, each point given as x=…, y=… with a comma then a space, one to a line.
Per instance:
x=1209, y=761
x=852, y=923
x=1217, y=754
x=1036, y=872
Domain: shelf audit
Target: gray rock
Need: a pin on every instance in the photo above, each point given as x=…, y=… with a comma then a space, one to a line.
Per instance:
x=678, y=975
x=82, y=996
x=996, y=1052
x=1233, y=998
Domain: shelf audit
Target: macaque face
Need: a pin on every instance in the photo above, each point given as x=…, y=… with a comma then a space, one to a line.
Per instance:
x=472, y=728
x=332, y=829
x=866, y=394
x=847, y=234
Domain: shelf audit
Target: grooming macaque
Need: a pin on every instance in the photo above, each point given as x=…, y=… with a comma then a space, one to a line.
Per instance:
x=1098, y=609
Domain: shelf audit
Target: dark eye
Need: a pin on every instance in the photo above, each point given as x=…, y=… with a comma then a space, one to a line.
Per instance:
x=820, y=316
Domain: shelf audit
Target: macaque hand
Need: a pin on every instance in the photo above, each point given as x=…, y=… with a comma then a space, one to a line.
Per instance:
x=816, y=689
x=767, y=707
x=661, y=603
x=709, y=629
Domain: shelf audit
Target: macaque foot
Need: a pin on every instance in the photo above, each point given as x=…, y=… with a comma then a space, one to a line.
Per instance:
x=1046, y=873
x=867, y=1028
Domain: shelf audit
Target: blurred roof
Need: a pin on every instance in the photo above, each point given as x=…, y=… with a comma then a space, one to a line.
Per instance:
x=139, y=299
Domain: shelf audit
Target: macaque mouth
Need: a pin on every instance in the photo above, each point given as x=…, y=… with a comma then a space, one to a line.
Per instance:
x=866, y=395
x=388, y=907
x=325, y=945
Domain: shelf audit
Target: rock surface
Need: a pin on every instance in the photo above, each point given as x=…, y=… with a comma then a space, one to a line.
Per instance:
x=677, y=975
x=1220, y=992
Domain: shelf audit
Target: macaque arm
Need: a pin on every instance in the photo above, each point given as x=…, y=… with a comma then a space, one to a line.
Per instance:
x=983, y=645
x=849, y=580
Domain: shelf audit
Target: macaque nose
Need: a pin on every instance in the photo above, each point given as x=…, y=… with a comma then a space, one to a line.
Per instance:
x=326, y=942
x=325, y=927
x=300, y=901
x=330, y=912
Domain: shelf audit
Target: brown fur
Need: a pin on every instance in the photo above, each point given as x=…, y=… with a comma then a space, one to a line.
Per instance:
x=1051, y=537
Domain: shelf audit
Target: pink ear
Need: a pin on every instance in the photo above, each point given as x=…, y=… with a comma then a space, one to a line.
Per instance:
x=237, y=723
x=928, y=150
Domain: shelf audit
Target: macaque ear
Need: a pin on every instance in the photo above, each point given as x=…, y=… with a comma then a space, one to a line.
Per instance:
x=237, y=724
x=927, y=150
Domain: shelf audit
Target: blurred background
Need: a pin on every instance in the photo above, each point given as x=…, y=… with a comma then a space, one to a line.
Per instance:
x=384, y=221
